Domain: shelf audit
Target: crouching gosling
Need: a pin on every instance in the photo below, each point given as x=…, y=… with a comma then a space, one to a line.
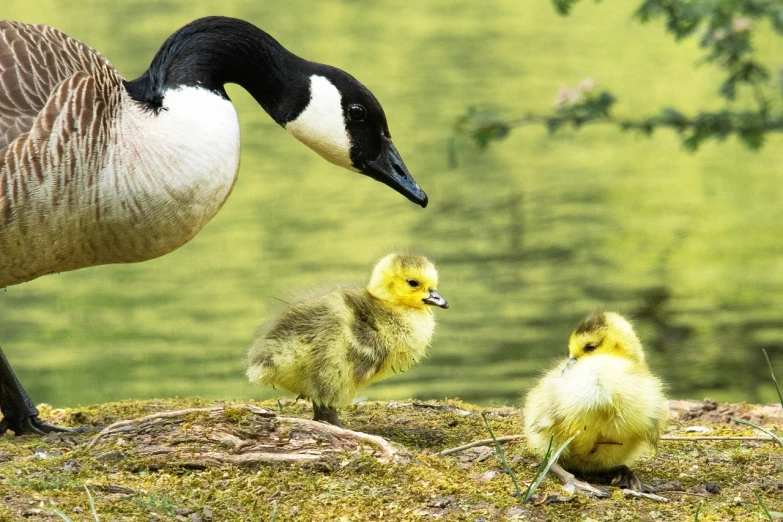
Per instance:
x=605, y=396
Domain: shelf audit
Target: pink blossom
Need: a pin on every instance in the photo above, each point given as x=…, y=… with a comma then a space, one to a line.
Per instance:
x=586, y=85
x=567, y=96
x=740, y=24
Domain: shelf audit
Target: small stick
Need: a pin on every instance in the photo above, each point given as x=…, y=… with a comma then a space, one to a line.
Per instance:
x=708, y=437
x=760, y=428
x=482, y=442
x=667, y=491
x=639, y=494
x=673, y=438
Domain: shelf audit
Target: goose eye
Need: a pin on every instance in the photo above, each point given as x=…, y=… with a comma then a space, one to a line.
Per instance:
x=413, y=283
x=356, y=112
x=590, y=348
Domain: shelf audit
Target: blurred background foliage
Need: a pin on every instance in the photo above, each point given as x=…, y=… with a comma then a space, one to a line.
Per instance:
x=529, y=236
x=724, y=30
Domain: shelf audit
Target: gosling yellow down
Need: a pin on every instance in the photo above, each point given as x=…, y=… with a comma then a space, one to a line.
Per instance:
x=605, y=395
x=328, y=348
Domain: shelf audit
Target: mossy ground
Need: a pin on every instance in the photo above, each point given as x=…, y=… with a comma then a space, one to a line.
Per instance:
x=38, y=473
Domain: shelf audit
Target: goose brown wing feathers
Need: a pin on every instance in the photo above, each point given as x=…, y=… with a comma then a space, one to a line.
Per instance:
x=34, y=61
x=58, y=98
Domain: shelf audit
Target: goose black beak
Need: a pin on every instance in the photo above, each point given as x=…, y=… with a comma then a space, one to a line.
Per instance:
x=389, y=169
x=436, y=300
x=568, y=365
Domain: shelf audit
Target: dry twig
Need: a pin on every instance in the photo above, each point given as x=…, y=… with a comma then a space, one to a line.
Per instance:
x=713, y=437
x=672, y=438
x=639, y=494
x=482, y=442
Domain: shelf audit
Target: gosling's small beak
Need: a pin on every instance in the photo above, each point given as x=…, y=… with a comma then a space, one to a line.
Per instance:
x=389, y=169
x=568, y=365
x=436, y=299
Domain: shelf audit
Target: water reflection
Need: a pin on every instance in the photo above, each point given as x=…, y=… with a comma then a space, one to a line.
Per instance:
x=528, y=237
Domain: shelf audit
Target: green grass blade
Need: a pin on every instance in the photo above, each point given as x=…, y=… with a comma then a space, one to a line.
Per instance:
x=274, y=513
x=549, y=463
x=740, y=421
x=502, y=455
x=763, y=507
x=772, y=373
x=529, y=492
x=92, y=504
x=61, y=515
x=696, y=514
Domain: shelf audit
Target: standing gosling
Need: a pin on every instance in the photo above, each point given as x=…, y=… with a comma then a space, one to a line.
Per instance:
x=606, y=396
x=328, y=348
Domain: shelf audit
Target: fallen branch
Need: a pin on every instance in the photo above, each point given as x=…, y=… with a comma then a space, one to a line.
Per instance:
x=261, y=437
x=384, y=445
x=115, y=428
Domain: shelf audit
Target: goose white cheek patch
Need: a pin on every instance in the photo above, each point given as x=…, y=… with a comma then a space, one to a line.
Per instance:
x=321, y=125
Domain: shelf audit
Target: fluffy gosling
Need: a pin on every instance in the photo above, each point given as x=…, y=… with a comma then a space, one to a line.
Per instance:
x=604, y=394
x=328, y=348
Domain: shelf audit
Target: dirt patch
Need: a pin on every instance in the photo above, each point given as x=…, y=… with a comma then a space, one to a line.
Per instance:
x=712, y=412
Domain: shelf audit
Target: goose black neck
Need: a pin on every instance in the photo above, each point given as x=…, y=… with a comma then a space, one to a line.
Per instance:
x=213, y=51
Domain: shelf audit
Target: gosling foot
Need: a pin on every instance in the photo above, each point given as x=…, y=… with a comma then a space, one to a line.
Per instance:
x=573, y=484
x=326, y=414
x=627, y=479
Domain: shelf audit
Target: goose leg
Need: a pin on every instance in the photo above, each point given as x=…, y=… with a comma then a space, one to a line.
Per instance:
x=326, y=414
x=571, y=483
x=19, y=413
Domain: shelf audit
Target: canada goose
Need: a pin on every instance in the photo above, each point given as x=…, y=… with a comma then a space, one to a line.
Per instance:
x=328, y=348
x=605, y=395
x=95, y=169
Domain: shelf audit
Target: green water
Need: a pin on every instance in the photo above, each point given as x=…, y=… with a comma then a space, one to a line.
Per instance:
x=529, y=236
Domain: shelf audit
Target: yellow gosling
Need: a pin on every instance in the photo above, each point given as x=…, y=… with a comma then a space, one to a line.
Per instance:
x=328, y=348
x=604, y=394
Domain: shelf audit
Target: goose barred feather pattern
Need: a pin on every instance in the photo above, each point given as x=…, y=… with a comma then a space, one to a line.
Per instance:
x=88, y=176
x=57, y=99
x=34, y=61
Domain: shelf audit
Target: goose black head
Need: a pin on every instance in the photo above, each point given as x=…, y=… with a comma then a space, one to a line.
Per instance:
x=344, y=123
x=322, y=106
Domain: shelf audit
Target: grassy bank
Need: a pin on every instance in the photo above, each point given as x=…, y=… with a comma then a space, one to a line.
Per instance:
x=131, y=479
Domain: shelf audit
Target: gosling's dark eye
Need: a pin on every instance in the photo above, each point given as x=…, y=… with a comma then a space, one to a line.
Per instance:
x=356, y=112
x=413, y=283
x=590, y=347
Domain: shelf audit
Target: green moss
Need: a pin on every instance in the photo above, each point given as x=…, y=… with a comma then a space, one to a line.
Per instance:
x=236, y=415
x=463, y=486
